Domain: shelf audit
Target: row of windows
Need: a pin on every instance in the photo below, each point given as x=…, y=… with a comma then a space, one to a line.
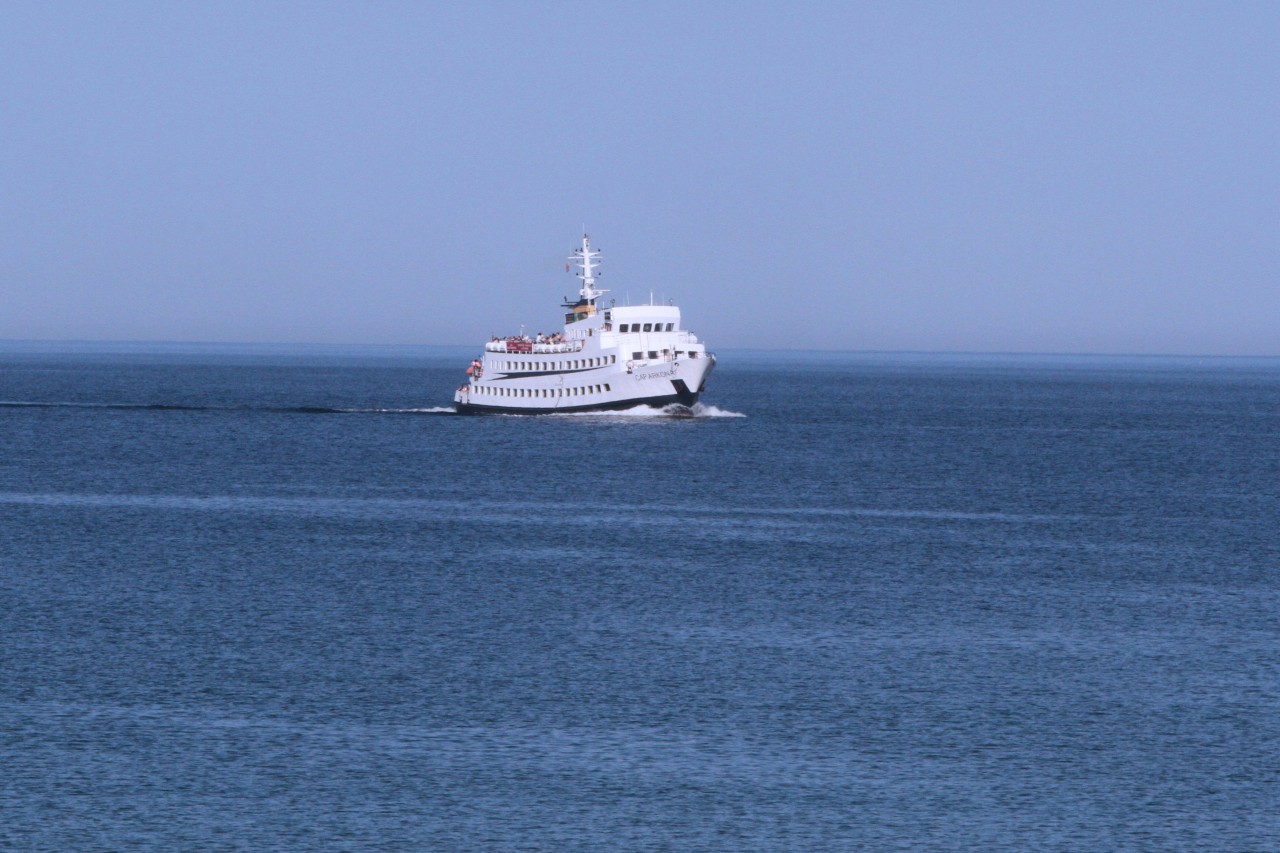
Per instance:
x=577, y=391
x=571, y=364
x=666, y=353
x=648, y=327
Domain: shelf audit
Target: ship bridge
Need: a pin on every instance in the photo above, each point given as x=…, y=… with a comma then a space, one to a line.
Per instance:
x=643, y=318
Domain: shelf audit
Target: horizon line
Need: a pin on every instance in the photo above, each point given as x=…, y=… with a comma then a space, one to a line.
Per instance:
x=88, y=343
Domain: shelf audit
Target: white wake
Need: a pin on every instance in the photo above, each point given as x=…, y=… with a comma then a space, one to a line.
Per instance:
x=675, y=410
x=702, y=410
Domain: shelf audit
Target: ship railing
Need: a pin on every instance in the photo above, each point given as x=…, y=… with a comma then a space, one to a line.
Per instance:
x=531, y=347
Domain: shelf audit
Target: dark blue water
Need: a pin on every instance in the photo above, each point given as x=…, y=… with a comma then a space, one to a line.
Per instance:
x=255, y=601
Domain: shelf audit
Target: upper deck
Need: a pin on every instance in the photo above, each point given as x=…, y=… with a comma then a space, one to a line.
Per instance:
x=527, y=344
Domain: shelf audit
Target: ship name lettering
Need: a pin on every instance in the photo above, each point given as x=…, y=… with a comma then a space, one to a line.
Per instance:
x=659, y=374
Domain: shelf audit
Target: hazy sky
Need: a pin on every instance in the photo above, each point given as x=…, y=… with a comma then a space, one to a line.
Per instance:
x=1060, y=177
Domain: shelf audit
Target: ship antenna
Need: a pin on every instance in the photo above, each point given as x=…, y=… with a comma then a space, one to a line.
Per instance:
x=587, y=259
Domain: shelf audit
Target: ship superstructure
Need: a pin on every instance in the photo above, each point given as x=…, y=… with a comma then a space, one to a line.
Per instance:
x=614, y=357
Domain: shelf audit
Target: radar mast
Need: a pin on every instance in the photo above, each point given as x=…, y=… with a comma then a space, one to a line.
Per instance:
x=587, y=261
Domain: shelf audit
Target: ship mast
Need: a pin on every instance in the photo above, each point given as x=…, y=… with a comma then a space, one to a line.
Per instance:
x=586, y=260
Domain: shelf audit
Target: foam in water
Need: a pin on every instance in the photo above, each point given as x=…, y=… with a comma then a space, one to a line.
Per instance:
x=702, y=410
x=675, y=410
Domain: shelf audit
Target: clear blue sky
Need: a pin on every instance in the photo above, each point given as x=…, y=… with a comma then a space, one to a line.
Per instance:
x=1038, y=177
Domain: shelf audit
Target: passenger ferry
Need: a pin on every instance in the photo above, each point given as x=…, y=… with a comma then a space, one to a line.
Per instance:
x=607, y=358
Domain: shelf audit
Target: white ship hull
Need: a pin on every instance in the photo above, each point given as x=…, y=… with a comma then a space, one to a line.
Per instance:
x=607, y=387
x=605, y=359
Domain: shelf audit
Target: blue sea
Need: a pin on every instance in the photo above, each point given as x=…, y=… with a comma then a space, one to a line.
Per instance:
x=280, y=599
